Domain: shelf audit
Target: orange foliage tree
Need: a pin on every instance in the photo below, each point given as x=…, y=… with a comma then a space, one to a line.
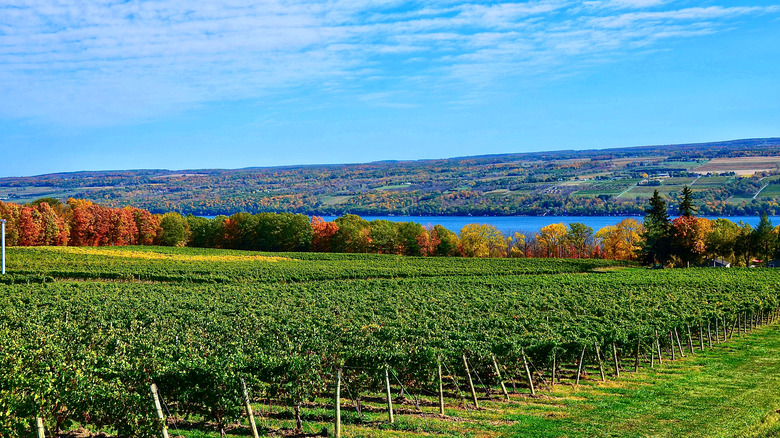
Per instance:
x=621, y=242
x=323, y=233
x=689, y=238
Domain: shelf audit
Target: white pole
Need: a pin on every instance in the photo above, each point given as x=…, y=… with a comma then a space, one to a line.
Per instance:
x=2, y=225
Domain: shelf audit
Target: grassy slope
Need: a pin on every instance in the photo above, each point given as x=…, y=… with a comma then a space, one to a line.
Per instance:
x=731, y=391
x=728, y=392
x=722, y=393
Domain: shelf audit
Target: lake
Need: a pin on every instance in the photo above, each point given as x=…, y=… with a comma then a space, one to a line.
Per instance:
x=530, y=224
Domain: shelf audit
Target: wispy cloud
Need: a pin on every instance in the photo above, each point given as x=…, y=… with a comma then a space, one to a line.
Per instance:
x=109, y=61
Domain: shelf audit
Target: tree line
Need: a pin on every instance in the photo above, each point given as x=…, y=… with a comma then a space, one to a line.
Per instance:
x=48, y=222
x=688, y=240
x=684, y=241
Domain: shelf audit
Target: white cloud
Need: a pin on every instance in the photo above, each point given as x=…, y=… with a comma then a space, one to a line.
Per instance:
x=107, y=61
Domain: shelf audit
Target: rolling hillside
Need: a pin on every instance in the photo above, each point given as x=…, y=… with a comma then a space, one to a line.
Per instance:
x=738, y=177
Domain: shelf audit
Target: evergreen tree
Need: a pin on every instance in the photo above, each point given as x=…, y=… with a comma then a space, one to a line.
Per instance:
x=686, y=203
x=656, y=244
x=764, y=238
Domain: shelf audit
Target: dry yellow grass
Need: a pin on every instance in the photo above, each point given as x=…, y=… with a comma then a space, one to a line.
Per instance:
x=740, y=165
x=145, y=255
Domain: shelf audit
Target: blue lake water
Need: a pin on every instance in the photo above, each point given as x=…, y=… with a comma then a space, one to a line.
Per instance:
x=526, y=224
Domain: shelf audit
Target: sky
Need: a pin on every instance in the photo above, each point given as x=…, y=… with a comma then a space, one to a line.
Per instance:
x=188, y=84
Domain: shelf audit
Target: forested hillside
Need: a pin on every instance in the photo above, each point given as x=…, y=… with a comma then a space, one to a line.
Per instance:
x=733, y=178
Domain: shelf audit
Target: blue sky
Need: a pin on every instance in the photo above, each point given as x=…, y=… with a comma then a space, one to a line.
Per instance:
x=104, y=84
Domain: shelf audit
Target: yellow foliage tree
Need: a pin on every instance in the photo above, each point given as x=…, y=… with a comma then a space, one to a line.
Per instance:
x=516, y=245
x=552, y=238
x=479, y=240
x=621, y=242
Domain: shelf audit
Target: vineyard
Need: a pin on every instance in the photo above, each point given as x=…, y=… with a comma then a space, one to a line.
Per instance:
x=314, y=343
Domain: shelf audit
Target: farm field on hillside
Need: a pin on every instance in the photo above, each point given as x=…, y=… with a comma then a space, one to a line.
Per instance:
x=590, y=182
x=85, y=331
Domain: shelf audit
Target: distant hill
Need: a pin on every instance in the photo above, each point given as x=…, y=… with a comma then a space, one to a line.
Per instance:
x=738, y=177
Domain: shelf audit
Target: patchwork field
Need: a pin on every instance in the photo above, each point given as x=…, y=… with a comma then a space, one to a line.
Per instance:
x=740, y=165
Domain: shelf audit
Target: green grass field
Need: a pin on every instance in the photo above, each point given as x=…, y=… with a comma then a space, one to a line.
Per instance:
x=770, y=191
x=83, y=331
x=730, y=391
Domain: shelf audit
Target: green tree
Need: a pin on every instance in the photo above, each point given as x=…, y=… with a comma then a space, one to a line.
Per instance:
x=655, y=246
x=722, y=240
x=352, y=235
x=744, y=246
x=580, y=237
x=764, y=238
x=687, y=208
x=449, y=243
x=409, y=238
x=241, y=231
x=174, y=230
x=384, y=236
x=297, y=233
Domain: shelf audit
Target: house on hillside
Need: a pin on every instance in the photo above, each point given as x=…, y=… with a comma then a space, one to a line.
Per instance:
x=719, y=263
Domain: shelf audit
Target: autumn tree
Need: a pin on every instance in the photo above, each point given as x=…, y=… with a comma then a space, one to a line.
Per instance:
x=146, y=224
x=81, y=222
x=428, y=241
x=122, y=229
x=551, y=240
x=54, y=229
x=480, y=240
x=449, y=243
x=516, y=245
x=580, y=239
x=689, y=238
x=30, y=226
x=323, y=232
x=10, y=212
x=621, y=242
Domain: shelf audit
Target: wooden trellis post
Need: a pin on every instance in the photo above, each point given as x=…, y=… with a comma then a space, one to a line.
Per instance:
x=528, y=373
x=498, y=374
x=441, y=388
x=248, y=408
x=471, y=382
x=337, y=421
x=389, y=396
x=160, y=414
x=579, y=366
x=39, y=423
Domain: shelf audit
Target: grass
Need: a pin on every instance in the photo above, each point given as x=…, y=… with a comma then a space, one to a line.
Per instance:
x=730, y=391
x=770, y=191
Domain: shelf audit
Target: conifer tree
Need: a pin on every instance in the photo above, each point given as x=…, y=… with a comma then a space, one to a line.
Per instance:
x=686, y=203
x=656, y=244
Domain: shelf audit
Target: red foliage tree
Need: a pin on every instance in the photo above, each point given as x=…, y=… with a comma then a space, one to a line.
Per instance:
x=54, y=230
x=30, y=226
x=323, y=233
x=146, y=224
